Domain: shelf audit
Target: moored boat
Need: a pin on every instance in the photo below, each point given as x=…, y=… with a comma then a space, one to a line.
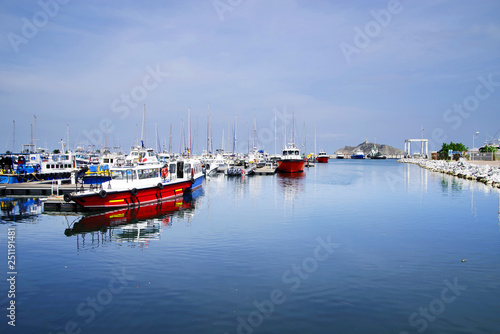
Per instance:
x=142, y=184
x=322, y=157
x=291, y=161
x=358, y=155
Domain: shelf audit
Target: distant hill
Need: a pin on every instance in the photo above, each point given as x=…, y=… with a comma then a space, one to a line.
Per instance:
x=366, y=147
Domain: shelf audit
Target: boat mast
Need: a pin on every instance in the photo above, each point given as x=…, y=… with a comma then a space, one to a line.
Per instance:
x=34, y=134
x=170, y=142
x=157, y=139
x=31, y=142
x=275, y=134
x=223, y=139
x=67, y=136
x=208, y=130
x=255, y=133
x=189, y=131
x=143, y=134
x=235, y=133
x=13, y=136
x=182, y=144
x=315, y=148
x=305, y=147
x=228, y=136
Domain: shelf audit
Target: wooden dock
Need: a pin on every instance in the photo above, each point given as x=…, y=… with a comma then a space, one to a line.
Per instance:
x=57, y=203
x=265, y=171
x=39, y=188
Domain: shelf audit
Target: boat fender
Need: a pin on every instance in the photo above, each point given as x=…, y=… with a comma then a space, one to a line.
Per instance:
x=160, y=185
x=67, y=197
x=133, y=191
x=164, y=172
x=102, y=193
x=192, y=176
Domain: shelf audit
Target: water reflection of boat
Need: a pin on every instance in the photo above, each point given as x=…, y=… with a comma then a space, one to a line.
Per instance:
x=133, y=215
x=291, y=184
x=19, y=209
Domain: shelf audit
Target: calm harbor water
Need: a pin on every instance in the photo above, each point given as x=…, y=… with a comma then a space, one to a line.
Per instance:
x=349, y=247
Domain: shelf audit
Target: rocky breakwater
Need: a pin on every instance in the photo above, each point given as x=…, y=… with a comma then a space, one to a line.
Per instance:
x=486, y=174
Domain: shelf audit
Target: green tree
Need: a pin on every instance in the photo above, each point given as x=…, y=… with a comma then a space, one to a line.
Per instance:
x=56, y=151
x=488, y=149
x=457, y=147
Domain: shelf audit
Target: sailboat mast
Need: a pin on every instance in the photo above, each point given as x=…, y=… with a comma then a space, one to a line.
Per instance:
x=255, y=132
x=189, y=130
x=34, y=134
x=274, y=134
x=143, y=134
x=170, y=141
x=208, y=130
x=182, y=144
x=305, y=147
x=157, y=139
x=13, y=136
x=223, y=139
x=315, y=148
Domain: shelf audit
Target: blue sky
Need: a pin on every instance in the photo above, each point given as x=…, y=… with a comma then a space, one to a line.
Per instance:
x=376, y=70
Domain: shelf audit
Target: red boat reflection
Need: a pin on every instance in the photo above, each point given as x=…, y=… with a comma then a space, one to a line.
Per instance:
x=131, y=215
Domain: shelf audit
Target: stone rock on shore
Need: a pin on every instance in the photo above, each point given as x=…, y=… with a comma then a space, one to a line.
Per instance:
x=486, y=174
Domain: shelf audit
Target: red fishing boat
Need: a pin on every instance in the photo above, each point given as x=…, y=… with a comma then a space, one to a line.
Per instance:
x=291, y=161
x=142, y=184
x=322, y=157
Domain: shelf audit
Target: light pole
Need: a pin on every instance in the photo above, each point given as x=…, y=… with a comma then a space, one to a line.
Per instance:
x=474, y=137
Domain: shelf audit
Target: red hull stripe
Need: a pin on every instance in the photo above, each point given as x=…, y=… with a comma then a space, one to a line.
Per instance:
x=291, y=166
x=125, y=198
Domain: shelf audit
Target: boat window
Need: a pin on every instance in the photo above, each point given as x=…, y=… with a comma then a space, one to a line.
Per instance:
x=117, y=175
x=130, y=175
x=105, y=161
x=284, y=152
x=155, y=172
x=48, y=166
x=172, y=169
x=296, y=152
x=145, y=174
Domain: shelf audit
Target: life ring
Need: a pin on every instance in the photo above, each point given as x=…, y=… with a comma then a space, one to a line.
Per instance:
x=164, y=172
x=102, y=193
x=67, y=197
x=133, y=192
x=160, y=185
